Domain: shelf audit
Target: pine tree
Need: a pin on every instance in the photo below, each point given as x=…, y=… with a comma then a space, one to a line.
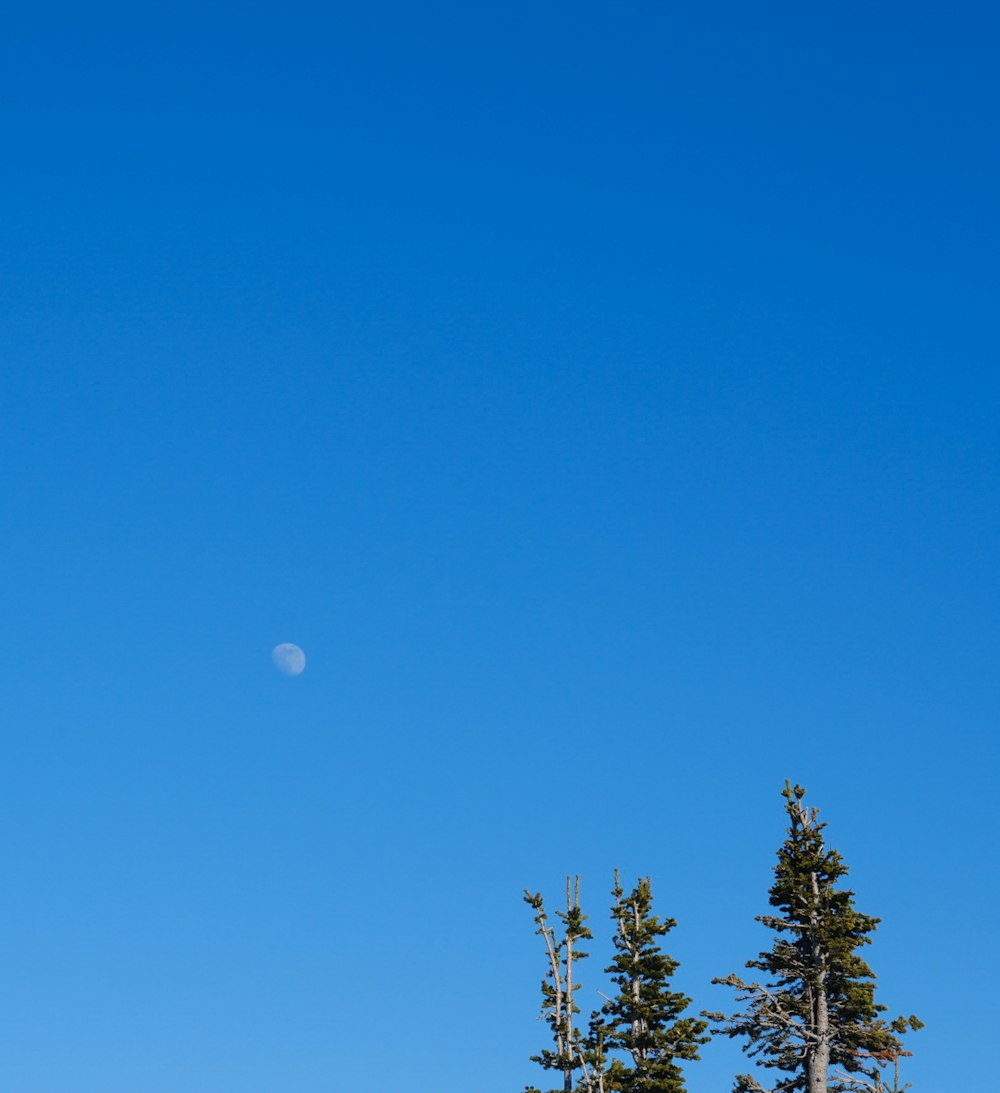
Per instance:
x=818, y=1007
x=871, y=1080
x=644, y=1019
x=559, y=987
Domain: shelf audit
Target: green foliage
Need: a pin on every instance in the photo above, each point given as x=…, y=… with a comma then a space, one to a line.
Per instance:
x=817, y=1008
x=812, y=1024
x=635, y=1042
x=644, y=1019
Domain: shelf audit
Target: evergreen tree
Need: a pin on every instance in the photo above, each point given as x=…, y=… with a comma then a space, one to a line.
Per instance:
x=559, y=987
x=644, y=1019
x=818, y=1007
x=871, y=1080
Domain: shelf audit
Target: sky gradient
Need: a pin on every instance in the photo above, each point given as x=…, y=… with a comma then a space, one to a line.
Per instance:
x=605, y=399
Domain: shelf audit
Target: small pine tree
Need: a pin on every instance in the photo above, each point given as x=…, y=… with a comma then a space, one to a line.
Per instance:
x=818, y=1008
x=559, y=987
x=644, y=1019
x=872, y=1080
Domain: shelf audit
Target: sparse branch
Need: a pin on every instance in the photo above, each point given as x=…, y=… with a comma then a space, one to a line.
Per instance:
x=770, y=1010
x=558, y=995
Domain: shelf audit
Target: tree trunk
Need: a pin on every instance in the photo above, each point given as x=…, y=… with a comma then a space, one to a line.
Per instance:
x=819, y=1057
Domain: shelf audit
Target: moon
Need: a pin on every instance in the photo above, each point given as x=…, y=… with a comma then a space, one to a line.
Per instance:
x=289, y=658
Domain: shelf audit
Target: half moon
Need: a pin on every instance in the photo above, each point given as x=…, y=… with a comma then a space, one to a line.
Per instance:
x=289, y=659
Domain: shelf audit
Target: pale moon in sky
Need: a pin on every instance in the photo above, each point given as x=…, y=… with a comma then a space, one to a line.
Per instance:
x=289, y=658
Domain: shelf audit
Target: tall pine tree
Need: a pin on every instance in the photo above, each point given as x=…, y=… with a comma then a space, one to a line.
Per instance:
x=644, y=1020
x=817, y=1009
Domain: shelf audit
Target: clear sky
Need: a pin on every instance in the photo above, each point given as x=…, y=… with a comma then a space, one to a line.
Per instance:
x=605, y=398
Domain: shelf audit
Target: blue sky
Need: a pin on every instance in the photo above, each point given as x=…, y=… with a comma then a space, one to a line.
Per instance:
x=604, y=398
